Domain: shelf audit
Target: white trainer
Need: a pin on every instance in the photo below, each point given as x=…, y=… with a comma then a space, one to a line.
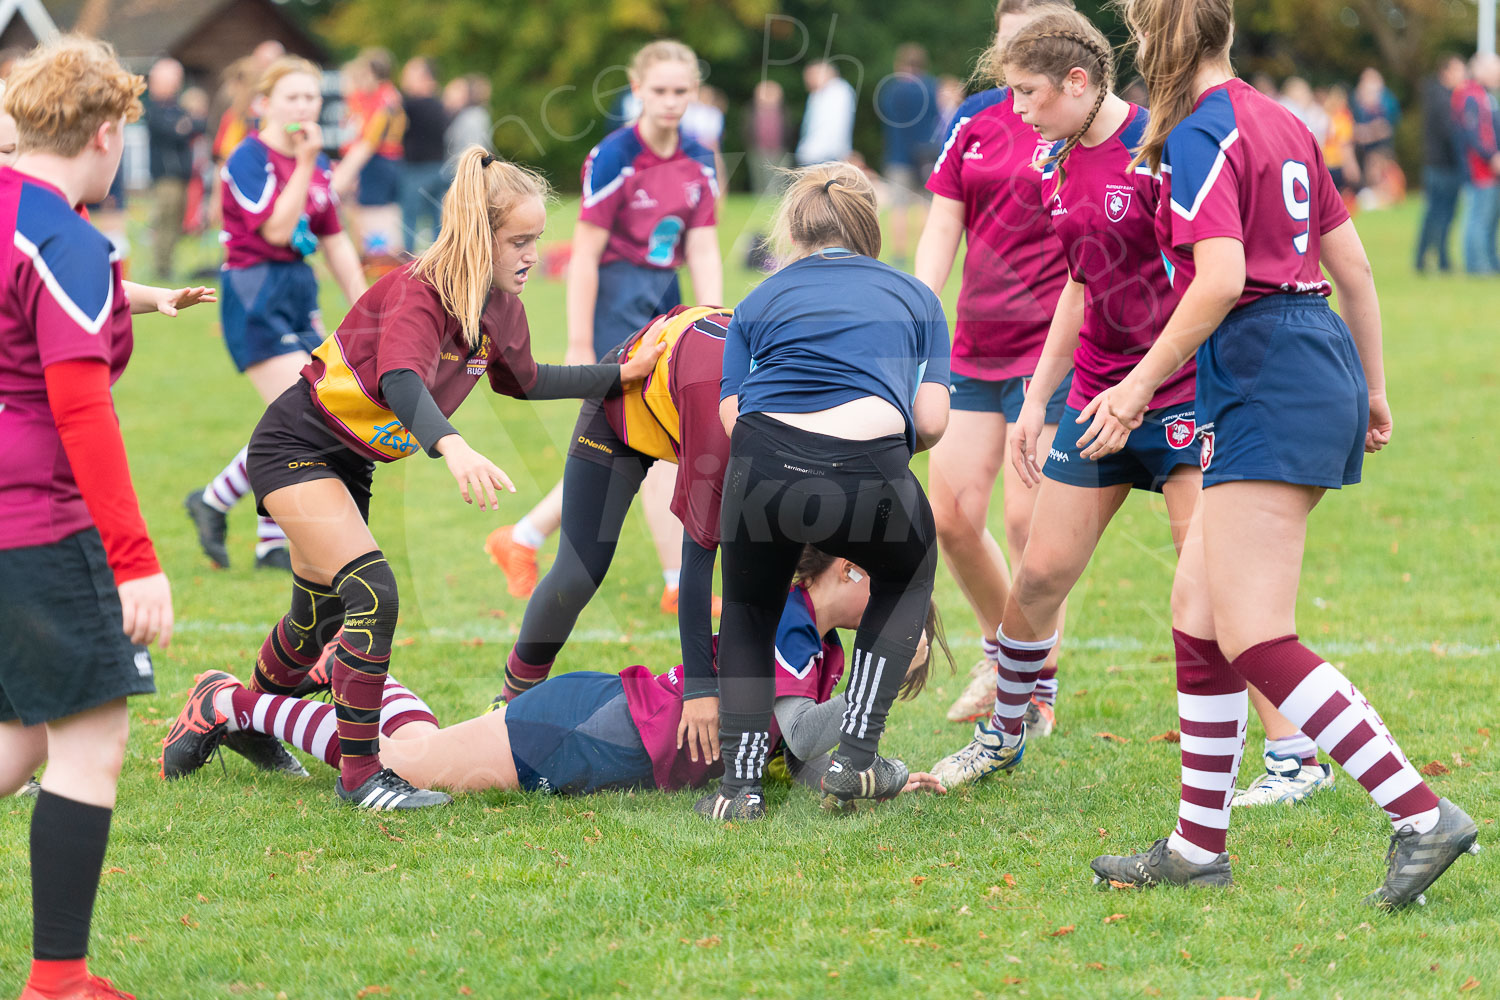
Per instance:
x=978, y=698
x=985, y=754
x=1286, y=782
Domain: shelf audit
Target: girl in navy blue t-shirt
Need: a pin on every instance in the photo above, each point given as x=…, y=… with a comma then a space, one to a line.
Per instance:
x=835, y=372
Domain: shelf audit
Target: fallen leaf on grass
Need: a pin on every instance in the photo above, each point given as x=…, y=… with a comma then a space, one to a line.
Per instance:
x=464, y=991
x=1113, y=917
x=1009, y=879
x=1103, y=833
x=370, y=991
x=188, y=921
x=1097, y=966
x=1484, y=731
x=1112, y=737
x=918, y=879
x=1185, y=956
x=1434, y=768
x=498, y=613
x=833, y=973
x=1170, y=736
x=114, y=871
x=407, y=641
x=1256, y=997
x=709, y=942
x=389, y=834
x=1121, y=885
x=1469, y=984
x=1458, y=759
x=1012, y=980
x=1062, y=931
x=475, y=642
x=202, y=898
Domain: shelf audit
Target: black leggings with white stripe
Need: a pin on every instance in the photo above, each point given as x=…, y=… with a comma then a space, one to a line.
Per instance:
x=786, y=488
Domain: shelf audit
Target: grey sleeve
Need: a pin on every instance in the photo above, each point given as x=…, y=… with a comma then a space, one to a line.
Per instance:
x=808, y=728
x=575, y=382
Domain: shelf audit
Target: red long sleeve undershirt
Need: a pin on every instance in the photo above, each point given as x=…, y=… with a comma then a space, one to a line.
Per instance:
x=78, y=393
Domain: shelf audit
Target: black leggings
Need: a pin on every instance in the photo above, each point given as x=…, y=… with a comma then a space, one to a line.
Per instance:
x=786, y=488
x=600, y=479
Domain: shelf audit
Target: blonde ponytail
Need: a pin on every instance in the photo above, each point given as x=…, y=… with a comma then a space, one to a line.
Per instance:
x=832, y=204
x=460, y=264
x=1181, y=35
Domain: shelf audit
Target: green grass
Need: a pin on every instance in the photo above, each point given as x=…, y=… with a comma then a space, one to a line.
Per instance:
x=233, y=884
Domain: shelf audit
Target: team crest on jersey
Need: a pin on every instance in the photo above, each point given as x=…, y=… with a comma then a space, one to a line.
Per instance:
x=1181, y=430
x=1042, y=151
x=1117, y=202
x=1206, y=457
x=480, y=359
x=642, y=200
x=973, y=153
x=694, y=192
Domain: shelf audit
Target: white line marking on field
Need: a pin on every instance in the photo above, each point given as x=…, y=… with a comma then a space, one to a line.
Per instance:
x=1092, y=644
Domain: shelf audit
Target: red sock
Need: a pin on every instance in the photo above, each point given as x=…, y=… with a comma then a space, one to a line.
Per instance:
x=1213, y=709
x=58, y=977
x=1321, y=701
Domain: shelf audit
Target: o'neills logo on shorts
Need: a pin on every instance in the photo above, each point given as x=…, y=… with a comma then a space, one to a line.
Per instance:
x=596, y=445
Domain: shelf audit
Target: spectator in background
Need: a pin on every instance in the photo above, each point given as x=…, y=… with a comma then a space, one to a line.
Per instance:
x=195, y=102
x=907, y=103
x=1477, y=120
x=425, y=150
x=1442, y=165
x=370, y=168
x=1338, y=147
x=1297, y=97
x=171, y=132
x=828, y=121
x=704, y=121
x=467, y=100
x=1376, y=115
x=1266, y=84
x=765, y=137
x=951, y=94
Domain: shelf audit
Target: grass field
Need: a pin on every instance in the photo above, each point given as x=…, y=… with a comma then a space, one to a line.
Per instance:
x=234, y=884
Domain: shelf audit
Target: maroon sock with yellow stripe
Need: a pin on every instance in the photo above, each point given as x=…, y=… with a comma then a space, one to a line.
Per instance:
x=367, y=588
x=295, y=643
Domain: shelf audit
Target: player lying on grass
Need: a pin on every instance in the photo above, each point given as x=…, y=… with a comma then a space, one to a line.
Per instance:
x=1290, y=397
x=673, y=416
x=382, y=388
x=577, y=732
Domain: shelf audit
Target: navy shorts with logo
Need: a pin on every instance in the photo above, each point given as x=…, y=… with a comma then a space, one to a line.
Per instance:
x=1005, y=396
x=269, y=309
x=629, y=298
x=63, y=633
x=573, y=734
x=1282, y=396
x=1163, y=442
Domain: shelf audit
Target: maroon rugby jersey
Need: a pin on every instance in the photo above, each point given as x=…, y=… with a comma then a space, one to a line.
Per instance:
x=400, y=323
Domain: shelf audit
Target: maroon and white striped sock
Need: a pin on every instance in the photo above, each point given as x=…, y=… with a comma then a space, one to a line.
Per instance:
x=1046, y=686
x=229, y=485
x=1020, y=665
x=312, y=726
x=400, y=706
x=1321, y=701
x=1213, y=708
x=268, y=536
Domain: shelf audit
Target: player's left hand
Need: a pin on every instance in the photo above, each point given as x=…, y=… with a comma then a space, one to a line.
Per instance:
x=642, y=363
x=1111, y=416
x=1379, y=433
x=699, y=726
x=921, y=781
x=169, y=301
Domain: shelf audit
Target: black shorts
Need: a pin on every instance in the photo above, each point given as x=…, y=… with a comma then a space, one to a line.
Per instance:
x=292, y=445
x=63, y=633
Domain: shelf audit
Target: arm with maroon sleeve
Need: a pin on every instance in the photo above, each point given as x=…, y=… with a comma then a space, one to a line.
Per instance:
x=514, y=372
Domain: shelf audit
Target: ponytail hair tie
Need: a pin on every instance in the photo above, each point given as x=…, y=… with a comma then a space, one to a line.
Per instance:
x=485, y=161
x=829, y=183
